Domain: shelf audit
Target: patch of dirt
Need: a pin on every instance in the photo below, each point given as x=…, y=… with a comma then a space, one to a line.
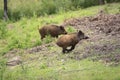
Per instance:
x=14, y=61
x=102, y=23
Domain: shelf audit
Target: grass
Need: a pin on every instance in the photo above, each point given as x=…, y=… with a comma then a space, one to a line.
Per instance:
x=72, y=70
x=38, y=8
x=24, y=34
x=41, y=7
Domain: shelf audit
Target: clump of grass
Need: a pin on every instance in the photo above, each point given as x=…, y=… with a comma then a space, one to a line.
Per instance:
x=106, y=8
x=43, y=66
x=70, y=29
x=48, y=39
x=119, y=9
x=2, y=68
x=3, y=30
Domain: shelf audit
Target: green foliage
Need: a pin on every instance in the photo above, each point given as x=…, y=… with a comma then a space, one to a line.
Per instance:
x=48, y=39
x=119, y=9
x=3, y=29
x=83, y=3
x=70, y=29
x=110, y=1
x=48, y=7
x=43, y=66
x=72, y=70
x=22, y=8
x=106, y=8
x=2, y=68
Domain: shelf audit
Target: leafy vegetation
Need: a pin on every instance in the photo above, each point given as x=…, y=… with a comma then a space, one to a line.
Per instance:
x=72, y=70
x=38, y=8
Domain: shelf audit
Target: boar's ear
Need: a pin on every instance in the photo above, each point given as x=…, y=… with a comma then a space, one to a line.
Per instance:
x=61, y=27
x=80, y=32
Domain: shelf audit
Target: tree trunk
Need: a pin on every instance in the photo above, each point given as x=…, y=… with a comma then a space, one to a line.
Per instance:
x=5, y=10
x=101, y=2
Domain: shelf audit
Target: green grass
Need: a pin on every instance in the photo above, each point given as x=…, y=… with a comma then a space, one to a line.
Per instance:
x=72, y=70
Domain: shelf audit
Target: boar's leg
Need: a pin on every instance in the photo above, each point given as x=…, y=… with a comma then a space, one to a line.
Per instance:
x=56, y=36
x=42, y=37
x=72, y=47
x=64, y=50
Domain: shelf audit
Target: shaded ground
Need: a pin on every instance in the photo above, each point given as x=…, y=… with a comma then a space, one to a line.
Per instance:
x=103, y=45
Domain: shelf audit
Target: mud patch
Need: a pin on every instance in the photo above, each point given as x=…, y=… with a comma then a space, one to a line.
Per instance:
x=102, y=23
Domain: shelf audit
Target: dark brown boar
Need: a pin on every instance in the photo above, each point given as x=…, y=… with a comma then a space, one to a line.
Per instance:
x=52, y=30
x=70, y=40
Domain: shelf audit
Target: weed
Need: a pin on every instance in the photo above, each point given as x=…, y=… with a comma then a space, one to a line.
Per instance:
x=48, y=39
x=3, y=30
x=70, y=29
x=2, y=68
x=43, y=66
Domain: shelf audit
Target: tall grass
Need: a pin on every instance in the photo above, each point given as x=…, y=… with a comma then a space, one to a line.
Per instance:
x=3, y=29
x=23, y=8
x=2, y=68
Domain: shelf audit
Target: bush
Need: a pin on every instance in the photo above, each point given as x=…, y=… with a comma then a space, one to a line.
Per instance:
x=23, y=8
x=110, y=1
x=83, y=3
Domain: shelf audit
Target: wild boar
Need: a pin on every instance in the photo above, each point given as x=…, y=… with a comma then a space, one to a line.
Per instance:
x=70, y=40
x=52, y=30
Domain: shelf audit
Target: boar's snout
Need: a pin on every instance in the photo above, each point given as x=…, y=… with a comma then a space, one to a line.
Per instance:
x=65, y=32
x=86, y=37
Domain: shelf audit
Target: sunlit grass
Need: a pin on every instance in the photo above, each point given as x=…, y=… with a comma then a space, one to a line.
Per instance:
x=72, y=70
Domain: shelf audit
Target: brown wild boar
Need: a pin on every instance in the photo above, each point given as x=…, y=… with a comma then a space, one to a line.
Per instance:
x=52, y=30
x=70, y=40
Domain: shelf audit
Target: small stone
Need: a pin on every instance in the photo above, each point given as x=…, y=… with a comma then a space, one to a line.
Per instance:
x=14, y=61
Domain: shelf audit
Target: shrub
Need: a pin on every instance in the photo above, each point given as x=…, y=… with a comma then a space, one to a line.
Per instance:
x=110, y=1
x=23, y=8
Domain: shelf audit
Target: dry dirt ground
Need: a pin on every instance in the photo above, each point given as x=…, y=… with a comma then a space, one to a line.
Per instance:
x=103, y=44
